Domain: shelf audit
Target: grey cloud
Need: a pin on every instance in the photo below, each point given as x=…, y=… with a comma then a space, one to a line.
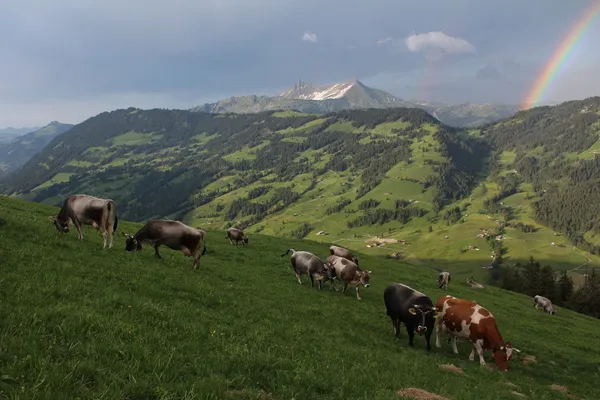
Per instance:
x=87, y=57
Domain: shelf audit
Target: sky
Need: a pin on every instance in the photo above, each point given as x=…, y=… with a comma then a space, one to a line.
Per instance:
x=69, y=60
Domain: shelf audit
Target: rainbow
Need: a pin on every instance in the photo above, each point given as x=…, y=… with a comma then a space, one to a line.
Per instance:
x=560, y=55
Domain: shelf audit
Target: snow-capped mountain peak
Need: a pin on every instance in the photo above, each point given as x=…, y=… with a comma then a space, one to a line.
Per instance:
x=308, y=91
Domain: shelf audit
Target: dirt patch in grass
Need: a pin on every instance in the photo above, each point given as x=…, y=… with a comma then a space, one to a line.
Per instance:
x=452, y=368
x=529, y=359
x=250, y=394
x=420, y=394
x=563, y=389
x=517, y=394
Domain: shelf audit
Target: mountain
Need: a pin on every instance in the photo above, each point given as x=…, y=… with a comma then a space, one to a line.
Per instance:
x=384, y=176
x=468, y=115
x=94, y=319
x=8, y=134
x=309, y=98
x=16, y=153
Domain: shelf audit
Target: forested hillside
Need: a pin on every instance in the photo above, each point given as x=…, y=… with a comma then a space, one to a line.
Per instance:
x=396, y=180
x=19, y=150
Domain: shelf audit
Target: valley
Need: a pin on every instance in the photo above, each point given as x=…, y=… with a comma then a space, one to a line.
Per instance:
x=390, y=182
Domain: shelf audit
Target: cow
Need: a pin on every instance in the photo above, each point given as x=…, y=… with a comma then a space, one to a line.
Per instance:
x=174, y=234
x=466, y=319
x=348, y=272
x=474, y=285
x=237, y=235
x=83, y=209
x=443, y=280
x=342, y=252
x=416, y=310
x=306, y=263
x=545, y=303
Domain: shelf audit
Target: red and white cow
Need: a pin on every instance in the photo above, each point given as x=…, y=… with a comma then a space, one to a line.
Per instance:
x=468, y=320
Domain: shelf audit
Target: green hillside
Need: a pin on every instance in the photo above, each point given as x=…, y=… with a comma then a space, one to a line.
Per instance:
x=396, y=180
x=80, y=322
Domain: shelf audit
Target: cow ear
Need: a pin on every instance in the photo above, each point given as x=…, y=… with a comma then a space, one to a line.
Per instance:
x=412, y=311
x=370, y=272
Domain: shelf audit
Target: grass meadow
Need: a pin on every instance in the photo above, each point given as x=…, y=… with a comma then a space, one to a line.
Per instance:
x=79, y=322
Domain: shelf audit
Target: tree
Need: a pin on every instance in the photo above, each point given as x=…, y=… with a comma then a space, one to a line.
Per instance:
x=564, y=288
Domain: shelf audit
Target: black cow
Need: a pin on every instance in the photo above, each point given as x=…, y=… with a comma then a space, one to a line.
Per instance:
x=413, y=308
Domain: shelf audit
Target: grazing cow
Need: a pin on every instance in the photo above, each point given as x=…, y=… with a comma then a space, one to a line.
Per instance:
x=237, y=235
x=546, y=304
x=466, y=319
x=89, y=210
x=474, y=285
x=405, y=304
x=306, y=263
x=443, y=280
x=348, y=272
x=173, y=234
x=342, y=252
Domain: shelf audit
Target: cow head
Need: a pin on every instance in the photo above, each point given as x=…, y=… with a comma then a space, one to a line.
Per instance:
x=245, y=240
x=425, y=317
x=61, y=226
x=330, y=271
x=131, y=243
x=503, y=354
x=365, y=277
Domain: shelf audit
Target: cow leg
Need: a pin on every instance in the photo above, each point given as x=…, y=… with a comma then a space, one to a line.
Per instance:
x=312, y=280
x=298, y=278
x=428, y=340
x=454, y=349
x=156, y=253
x=396, y=323
x=477, y=345
x=345, y=287
x=104, y=236
x=438, y=330
x=357, y=295
x=411, y=334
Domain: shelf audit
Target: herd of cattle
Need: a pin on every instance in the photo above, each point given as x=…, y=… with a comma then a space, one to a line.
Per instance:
x=454, y=317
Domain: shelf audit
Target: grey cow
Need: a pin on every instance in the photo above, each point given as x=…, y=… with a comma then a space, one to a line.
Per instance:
x=443, y=279
x=83, y=209
x=174, y=234
x=342, y=252
x=544, y=303
x=306, y=263
x=236, y=235
x=348, y=272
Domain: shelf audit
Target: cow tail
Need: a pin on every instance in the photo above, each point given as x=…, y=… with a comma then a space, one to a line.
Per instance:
x=116, y=223
x=288, y=250
x=204, y=249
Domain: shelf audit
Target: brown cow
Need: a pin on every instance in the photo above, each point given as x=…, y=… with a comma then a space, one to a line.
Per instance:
x=83, y=209
x=342, y=252
x=348, y=272
x=237, y=235
x=173, y=234
x=466, y=319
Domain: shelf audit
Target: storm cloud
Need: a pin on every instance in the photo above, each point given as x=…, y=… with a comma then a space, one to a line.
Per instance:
x=69, y=60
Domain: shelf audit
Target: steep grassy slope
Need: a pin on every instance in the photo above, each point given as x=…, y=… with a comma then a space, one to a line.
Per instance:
x=80, y=322
x=18, y=151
